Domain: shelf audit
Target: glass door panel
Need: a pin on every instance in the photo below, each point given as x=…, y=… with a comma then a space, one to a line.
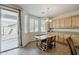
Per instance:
x=9, y=30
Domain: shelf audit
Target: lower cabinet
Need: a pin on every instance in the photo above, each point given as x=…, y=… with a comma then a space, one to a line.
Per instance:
x=75, y=39
x=60, y=37
x=66, y=35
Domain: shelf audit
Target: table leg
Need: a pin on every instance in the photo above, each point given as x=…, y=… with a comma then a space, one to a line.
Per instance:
x=37, y=43
x=54, y=43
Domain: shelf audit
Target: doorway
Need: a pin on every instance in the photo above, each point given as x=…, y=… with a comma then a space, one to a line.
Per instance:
x=9, y=30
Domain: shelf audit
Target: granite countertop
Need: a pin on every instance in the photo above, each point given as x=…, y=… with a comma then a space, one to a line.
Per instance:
x=77, y=33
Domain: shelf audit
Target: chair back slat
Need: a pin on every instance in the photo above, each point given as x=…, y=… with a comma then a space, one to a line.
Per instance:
x=51, y=40
x=71, y=46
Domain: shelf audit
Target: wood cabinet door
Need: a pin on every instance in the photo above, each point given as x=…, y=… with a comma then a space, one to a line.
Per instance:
x=61, y=37
x=75, y=39
x=61, y=23
x=57, y=23
x=53, y=23
x=66, y=35
x=75, y=21
x=67, y=22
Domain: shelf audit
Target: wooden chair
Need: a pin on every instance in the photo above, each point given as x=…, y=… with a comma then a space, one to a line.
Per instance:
x=71, y=46
x=49, y=42
x=52, y=41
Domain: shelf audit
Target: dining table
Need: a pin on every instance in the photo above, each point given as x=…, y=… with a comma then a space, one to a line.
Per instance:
x=41, y=37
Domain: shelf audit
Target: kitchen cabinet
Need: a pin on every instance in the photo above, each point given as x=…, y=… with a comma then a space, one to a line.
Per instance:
x=75, y=39
x=57, y=23
x=54, y=24
x=67, y=22
x=61, y=37
x=75, y=21
x=61, y=23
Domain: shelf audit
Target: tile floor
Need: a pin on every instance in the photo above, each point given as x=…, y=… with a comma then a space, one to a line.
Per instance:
x=31, y=49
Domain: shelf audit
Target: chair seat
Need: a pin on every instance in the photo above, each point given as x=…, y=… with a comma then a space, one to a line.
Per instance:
x=47, y=44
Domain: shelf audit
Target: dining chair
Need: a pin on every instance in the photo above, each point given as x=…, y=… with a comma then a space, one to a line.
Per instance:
x=71, y=46
x=49, y=43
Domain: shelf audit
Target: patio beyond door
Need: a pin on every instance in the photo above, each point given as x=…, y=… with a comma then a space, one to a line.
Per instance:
x=9, y=30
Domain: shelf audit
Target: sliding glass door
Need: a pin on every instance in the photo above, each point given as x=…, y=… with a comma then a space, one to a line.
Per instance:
x=8, y=29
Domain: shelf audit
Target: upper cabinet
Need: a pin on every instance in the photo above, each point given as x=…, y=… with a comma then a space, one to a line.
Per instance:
x=67, y=22
x=54, y=24
x=61, y=23
x=75, y=21
x=57, y=23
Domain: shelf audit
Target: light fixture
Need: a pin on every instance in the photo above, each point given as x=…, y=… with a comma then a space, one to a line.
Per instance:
x=50, y=21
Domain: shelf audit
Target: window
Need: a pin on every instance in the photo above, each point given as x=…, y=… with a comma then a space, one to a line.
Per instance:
x=43, y=25
x=26, y=23
x=36, y=25
x=31, y=25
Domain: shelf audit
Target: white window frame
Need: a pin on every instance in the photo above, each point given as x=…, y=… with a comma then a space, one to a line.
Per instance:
x=39, y=24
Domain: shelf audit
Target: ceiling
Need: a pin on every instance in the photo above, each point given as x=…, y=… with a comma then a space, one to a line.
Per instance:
x=48, y=10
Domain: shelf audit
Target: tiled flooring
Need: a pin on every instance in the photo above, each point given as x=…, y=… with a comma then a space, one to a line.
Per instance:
x=31, y=49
